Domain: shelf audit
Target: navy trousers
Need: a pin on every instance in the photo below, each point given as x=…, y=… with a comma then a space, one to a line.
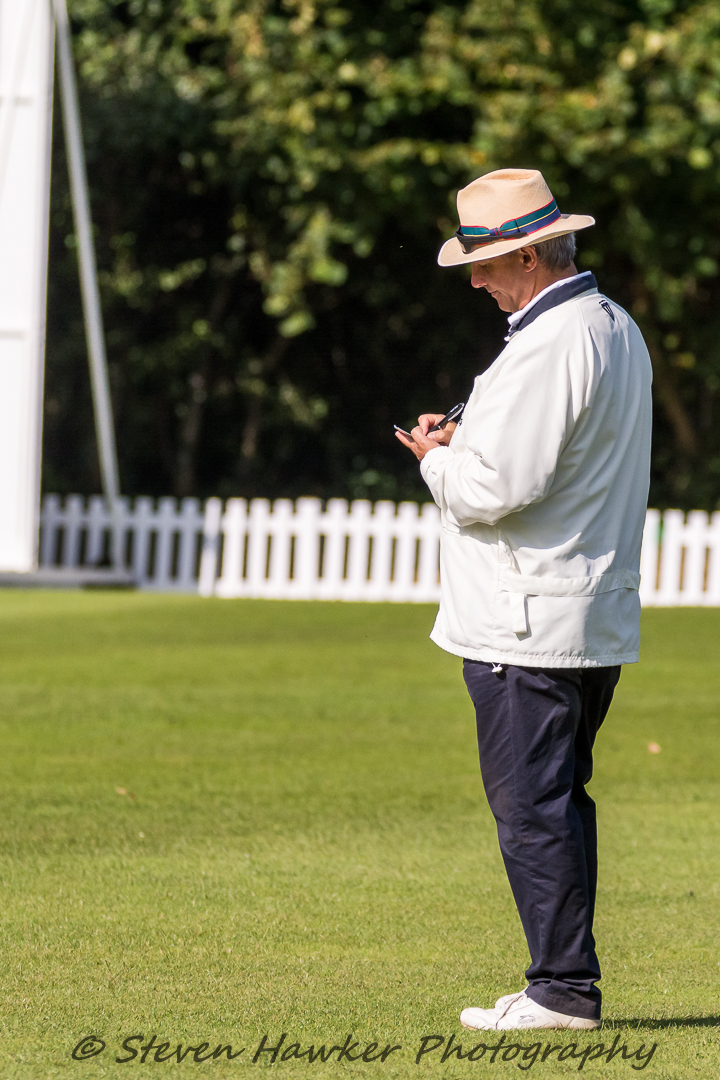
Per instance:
x=536, y=729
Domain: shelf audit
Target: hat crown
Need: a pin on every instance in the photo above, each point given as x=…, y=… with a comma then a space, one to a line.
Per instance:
x=501, y=196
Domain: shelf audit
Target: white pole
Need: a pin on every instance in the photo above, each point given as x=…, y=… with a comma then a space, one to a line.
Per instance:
x=10, y=102
x=26, y=58
x=88, y=271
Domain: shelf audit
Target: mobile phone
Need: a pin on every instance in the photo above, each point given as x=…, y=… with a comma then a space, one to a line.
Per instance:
x=404, y=432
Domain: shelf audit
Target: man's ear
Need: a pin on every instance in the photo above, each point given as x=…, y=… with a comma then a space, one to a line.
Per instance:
x=529, y=258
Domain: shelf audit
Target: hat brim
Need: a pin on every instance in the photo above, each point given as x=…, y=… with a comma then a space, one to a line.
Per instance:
x=452, y=254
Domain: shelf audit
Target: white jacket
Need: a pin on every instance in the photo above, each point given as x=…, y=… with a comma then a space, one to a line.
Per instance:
x=543, y=492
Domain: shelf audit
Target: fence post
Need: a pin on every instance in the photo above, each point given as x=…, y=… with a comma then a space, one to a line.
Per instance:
x=712, y=596
x=166, y=524
x=649, y=559
x=696, y=536
x=98, y=523
x=231, y=582
x=74, y=522
x=308, y=520
x=279, y=539
x=406, y=524
x=50, y=517
x=143, y=514
x=380, y=571
x=359, y=525
x=428, y=589
x=335, y=525
x=257, y=547
x=671, y=558
x=189, y=525
x=209, y=553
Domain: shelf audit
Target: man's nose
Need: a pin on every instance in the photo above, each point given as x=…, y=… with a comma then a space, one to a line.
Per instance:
x=478, y=279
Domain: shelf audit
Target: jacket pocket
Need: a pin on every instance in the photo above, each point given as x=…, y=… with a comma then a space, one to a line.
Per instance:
x=520, y=586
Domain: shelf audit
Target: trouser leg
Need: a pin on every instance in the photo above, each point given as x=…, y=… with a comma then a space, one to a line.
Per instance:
x=536, y=729
x=598, y=687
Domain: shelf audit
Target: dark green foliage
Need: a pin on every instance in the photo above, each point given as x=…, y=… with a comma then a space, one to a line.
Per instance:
x=271, y=183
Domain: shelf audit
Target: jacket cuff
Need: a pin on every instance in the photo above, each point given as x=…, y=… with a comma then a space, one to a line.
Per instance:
x=434, y=462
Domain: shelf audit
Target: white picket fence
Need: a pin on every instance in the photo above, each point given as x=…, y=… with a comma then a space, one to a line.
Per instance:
x=340, y=551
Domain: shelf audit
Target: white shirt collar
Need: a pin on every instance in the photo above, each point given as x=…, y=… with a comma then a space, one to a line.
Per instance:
x=517, y=315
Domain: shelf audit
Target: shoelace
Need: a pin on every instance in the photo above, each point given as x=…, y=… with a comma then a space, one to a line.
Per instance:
x=509, y=1004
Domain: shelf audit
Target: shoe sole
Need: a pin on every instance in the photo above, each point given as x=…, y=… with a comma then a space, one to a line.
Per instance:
x=581, y=1026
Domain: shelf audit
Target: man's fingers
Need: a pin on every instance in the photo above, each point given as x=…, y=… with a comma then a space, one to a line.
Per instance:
x=428, y=420
x=444, y=435
x=422, y=439
x=421, y=443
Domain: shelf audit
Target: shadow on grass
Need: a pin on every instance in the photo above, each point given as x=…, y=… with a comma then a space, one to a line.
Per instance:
x=655, y=1024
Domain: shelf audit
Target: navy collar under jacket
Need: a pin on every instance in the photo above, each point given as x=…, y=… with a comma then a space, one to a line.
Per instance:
x=575, y=286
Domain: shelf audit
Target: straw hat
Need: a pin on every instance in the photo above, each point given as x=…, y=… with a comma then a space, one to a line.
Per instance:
x=503, y=211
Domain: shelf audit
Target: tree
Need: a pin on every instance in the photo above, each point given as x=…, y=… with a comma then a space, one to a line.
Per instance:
x=271, y=182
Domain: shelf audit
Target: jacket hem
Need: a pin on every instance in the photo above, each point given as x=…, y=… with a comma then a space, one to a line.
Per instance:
x=491, y=655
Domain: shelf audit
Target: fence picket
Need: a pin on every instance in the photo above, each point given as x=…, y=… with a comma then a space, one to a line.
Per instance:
x=73, y=521
x=381, y=530
x=233, y=527
x=713, y=569
x=52, y=511
x=209, y=551
x=142, y=539
x=359, y=550
x=189, y=527
x=334, y=527
x=165, y=525
x=671, y=558
x=97, y=524
x=650, y=558
x=407, y=537
x=429, y=564
x=696, y=543
x=307, y=548
x=258, y=536
x=279, y=535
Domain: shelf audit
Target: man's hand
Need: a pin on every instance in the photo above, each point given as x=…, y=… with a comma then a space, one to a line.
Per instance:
x=422, y=442
x=428, y=420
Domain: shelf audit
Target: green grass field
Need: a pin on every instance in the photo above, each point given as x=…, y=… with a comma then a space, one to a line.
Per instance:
x=222, y=820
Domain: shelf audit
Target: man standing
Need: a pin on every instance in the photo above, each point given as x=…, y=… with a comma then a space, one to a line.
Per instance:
x=542, y=489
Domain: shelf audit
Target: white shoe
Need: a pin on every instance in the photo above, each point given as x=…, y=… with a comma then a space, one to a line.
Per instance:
x=520, y=1012
x=507, y=999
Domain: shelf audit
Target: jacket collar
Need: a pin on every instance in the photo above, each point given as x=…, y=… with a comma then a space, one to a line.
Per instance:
x=552, y=297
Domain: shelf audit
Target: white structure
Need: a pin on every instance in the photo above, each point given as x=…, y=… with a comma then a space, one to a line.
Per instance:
x=26, y=61
x=355, y=551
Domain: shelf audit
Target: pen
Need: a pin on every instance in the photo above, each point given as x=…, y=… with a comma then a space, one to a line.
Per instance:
x=450, y=418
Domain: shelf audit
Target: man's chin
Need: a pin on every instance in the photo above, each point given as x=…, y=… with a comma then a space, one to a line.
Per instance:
x=503, y=303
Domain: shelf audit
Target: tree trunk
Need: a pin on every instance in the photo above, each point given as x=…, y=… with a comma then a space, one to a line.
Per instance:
x=186, y=480
x=251, y=430
x=668, y=392
x=253, y=421
x=665, y=377
x=190, y=429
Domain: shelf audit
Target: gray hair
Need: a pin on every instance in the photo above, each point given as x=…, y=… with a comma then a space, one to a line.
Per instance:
x=556, y=253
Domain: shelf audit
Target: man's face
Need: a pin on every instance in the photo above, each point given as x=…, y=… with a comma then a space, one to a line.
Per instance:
x=507, y=278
